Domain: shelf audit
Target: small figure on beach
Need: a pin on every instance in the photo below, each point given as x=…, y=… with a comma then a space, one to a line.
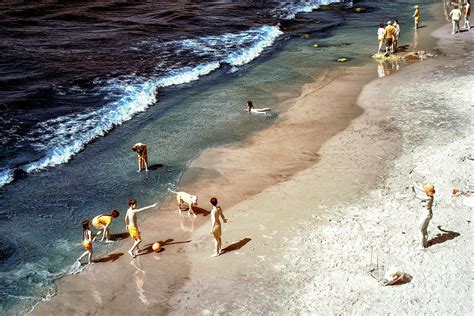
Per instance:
x=389, y=34
x=87, y=239
x=455, y=16
x=416, y=16
x=142, y=156
x=467, y=14
x=132, y=227
x=252, y=109
x=381, y=36
x=396, y=34
x=427, y=213
x=216, y=229
x=102, y=222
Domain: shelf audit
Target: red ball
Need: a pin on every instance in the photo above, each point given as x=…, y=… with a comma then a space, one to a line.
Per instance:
x=156, y=247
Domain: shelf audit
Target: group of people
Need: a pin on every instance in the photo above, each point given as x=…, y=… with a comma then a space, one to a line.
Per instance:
x=457, y=13
x=388, y=35
x=102, y=222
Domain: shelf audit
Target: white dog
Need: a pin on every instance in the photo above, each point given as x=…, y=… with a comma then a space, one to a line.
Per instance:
x=187, y=198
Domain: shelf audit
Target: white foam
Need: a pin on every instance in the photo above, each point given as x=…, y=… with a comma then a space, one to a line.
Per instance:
x=63, y=137
x=265, y=36
x=288, y=10
x=6, y=176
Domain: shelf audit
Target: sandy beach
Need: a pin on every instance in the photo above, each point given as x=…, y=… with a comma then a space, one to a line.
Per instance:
x=319, y=206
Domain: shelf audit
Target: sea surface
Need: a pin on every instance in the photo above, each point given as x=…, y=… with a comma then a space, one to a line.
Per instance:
x=80, y=83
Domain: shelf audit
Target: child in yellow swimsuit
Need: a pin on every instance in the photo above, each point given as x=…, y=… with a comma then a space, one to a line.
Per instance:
x=132, y=227
x=87, y=241
x=103, y=221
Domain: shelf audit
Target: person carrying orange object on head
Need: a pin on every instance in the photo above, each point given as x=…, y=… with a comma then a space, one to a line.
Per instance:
x=142, y=155
x=416, y=16
x=102, y=222
x=427, y=214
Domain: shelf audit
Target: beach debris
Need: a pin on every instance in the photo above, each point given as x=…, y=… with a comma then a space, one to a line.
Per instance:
x=386, y=57
x=307, y=35
x=342, y=59
x=394, y=276
x=415, y=56
x=360, y=10
x=315, y=45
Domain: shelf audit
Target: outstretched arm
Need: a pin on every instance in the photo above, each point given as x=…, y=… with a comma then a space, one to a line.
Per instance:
x=146, y=208
x=222, y=214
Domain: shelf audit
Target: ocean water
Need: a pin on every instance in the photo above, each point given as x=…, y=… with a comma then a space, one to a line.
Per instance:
x=82, y=82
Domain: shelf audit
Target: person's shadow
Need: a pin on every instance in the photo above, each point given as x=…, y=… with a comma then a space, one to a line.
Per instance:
x=236, y=245
x=119, y=236
x=441, y=238
x=148, y=248
x=112, y=257
x=155, y=166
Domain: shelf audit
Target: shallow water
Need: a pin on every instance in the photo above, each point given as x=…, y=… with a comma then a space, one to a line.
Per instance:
x=41, y=212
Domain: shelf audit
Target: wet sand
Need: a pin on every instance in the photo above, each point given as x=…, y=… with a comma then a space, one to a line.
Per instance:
x=275, y=188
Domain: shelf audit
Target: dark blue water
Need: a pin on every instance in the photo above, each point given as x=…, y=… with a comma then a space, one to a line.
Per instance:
x=162, y=73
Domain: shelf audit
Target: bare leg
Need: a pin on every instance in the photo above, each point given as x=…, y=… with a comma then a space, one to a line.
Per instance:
x=135, y=245
x=216, y=242
x=107, y=235
x=424, y=231
x=89, y=257
x=82, y=256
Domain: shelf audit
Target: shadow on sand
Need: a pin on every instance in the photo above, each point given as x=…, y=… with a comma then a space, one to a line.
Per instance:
x=441, y=238
x=119, y=236
x=110, y=258
x=147, y=249
x=236, y=245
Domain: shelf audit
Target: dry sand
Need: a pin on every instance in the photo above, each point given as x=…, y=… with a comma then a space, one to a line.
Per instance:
x=305, y=220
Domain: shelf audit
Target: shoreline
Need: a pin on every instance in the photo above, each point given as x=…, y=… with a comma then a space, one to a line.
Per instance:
x=235, y=160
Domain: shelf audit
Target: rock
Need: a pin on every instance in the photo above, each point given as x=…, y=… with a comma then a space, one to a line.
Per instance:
x=415, y=56
x=342, y=59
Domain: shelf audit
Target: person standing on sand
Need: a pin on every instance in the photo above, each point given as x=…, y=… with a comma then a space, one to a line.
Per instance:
x=87, y=240
x=455, y=16
x=416, y=16
x=467, y=13
x=142, y=155
x=389, y=34
x=102, y=222
x=216, y=229
x=427, y=214
x=381, y=35
x=131, y=224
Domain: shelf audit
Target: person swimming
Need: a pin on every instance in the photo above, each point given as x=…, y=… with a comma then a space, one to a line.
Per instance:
x=250, y=106
x=102, y=222
x=87, y=241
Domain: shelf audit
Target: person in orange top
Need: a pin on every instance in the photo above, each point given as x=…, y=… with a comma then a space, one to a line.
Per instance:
x=102, y=222
x=416, y=16
x=389, y=35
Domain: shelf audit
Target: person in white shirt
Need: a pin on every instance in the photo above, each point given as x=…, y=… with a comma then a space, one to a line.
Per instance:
x=381, y=35
x=455, y=16
x=467, y=13
x=397, y=34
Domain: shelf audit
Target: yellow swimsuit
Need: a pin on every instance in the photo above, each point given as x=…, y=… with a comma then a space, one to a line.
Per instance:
x=134, y=232
x=100, y=221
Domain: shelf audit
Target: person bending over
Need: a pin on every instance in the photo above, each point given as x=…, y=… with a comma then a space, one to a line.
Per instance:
x=102, y=222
